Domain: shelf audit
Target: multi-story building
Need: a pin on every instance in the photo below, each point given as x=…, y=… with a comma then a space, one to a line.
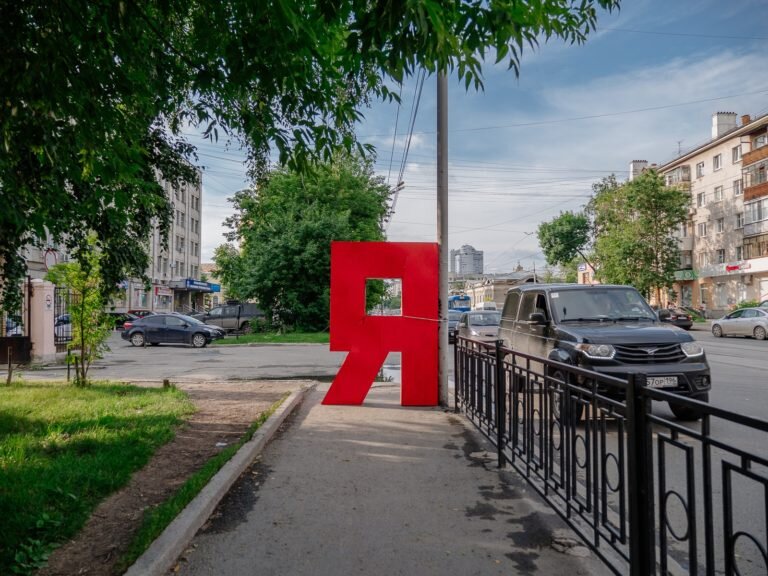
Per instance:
x=175, y=269
x=724, y=242
x=469, y=260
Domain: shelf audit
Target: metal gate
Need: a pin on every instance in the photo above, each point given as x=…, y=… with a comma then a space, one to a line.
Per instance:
x=648, y=494
x=63, y=298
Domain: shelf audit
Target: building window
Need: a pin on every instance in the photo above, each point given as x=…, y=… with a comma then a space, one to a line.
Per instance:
x=739, y=253
x=720, y=224
x=756, y=174
x=736, y=153
x=721, y=256
x=739, y=220
x=759, y=141
x=703, y=259
x=718, y=193
x=701, y=199
x=699, y=169
x=159, y=263
x=738, y=189
x=717, y=162
x=702, y=229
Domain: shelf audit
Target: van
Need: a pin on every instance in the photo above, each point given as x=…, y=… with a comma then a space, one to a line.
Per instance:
x=607, y=329
x=485, y=306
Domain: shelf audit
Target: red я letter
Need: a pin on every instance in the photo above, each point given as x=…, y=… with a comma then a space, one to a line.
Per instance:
x=370, y=338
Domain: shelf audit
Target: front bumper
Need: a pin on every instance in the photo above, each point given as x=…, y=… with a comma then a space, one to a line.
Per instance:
x=693, y=378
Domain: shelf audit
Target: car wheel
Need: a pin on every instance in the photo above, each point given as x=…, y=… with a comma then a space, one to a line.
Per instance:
x=687, y=413
x=759, y=333
x=137, y=339
x=557, y=396
x=717, y=331
x=199, y=340
x=245, y=328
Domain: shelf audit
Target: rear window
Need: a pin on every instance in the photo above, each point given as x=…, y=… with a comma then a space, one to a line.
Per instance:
x=485, y=319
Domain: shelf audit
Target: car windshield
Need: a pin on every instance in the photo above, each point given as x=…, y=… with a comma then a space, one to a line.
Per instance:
x=453, y=316
x=598, y=304
x=485, y=319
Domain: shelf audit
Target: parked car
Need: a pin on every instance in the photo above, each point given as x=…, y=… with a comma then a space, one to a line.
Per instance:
x=120, y=318
x=141, y=312
x=453, y=322
x=62, y=326
x=607, y=329
x=764, y=304
x=13, y=326
x=479, y=325
x=232, y=316
x=156, y=329
x=744, y=322
x=677, y=317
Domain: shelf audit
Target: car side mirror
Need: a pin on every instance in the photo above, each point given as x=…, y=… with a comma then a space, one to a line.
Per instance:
x=537, y=318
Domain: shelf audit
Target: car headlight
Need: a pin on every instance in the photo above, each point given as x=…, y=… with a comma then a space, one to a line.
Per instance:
x=692, y=349
x=473, y=333
x=600, y=351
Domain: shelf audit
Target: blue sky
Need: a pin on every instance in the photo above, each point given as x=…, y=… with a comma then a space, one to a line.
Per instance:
x=643, y=87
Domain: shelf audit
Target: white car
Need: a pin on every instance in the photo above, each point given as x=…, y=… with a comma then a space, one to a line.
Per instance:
x=62, y=326
x=744, y=322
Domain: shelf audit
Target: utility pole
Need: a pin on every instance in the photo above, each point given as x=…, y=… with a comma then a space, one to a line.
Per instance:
x=442, y=235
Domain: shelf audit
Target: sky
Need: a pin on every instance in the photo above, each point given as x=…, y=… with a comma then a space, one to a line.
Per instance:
x=643, y=87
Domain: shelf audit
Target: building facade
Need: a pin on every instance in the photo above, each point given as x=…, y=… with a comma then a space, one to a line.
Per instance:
x=175, y=269
x=724, y=242
x=466, y=261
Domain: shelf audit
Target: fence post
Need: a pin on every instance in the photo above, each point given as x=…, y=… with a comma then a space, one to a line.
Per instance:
x=456, y=377
x=640, y=475
x=501, y=416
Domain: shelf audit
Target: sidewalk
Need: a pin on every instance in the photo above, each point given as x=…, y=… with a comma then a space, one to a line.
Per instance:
x=380, y=489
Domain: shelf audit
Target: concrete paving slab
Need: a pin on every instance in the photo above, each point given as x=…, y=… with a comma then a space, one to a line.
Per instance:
x=381, y=489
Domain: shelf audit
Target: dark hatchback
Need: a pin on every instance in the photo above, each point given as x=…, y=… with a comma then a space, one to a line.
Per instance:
x=453, y=325
x=159, y=329
x=676, y=317
x=607, y=329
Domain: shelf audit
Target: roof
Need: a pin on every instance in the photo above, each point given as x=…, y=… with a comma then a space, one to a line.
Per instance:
x=736, y=132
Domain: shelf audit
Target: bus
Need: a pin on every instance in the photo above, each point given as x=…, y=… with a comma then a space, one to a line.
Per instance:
x=459, y=302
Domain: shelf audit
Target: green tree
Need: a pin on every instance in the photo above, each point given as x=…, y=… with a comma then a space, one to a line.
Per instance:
x=565, y=237
x=634, y=225
x=285, y=232
x=90, y=326
x=96, y=96
x=229, y=270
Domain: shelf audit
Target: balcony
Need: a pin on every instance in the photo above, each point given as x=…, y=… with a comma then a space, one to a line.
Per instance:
x=754, y=156
x=686, y=244
x=756, y=228
x=757, y=191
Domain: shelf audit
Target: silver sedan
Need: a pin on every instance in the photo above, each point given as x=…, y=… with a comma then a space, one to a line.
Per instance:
x=745, y=322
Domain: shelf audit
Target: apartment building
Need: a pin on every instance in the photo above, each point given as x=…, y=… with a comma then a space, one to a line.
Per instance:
x=724, y=243
x=175, y=269
x=466, y=260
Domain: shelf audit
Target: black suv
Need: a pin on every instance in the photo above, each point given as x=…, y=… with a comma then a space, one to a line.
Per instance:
x=607, y=329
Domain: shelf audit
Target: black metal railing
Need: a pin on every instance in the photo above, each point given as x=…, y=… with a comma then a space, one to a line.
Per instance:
x=647, y=493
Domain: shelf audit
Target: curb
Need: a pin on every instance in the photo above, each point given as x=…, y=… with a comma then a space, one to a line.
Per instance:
x=163, y=552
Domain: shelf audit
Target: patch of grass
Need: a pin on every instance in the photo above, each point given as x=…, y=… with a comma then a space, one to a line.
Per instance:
x=64, y=449
x=158, y=518
x=275, y=338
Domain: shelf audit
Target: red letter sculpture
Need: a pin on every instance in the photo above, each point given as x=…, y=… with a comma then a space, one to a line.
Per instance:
x=370, y=338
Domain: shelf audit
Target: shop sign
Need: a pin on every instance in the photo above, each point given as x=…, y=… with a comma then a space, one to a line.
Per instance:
x=163, y=291
x=686, y=275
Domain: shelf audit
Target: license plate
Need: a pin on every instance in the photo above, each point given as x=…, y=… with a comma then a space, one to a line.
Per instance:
x=662, y=381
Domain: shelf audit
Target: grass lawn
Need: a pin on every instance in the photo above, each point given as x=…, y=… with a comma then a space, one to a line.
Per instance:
x=275, y=338
x=63, y=449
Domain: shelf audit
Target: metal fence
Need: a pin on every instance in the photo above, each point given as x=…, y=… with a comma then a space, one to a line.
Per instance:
x=62, y=324
x=647, y=493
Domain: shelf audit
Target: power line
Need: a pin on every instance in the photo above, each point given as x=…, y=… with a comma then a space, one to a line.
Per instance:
x=591, y=116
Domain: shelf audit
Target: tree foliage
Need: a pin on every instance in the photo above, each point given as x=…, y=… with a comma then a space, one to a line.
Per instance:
x=97, y=95
x=634, y=225
x=90, y=327
x=285, y=231
x=565, y=237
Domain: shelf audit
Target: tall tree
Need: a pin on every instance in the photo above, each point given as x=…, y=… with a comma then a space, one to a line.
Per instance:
x=634, y=225
x=565, y=237
x=96, y=95
x=285, y=232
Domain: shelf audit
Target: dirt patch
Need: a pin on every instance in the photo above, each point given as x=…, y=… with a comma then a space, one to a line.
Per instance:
x=225, y=412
